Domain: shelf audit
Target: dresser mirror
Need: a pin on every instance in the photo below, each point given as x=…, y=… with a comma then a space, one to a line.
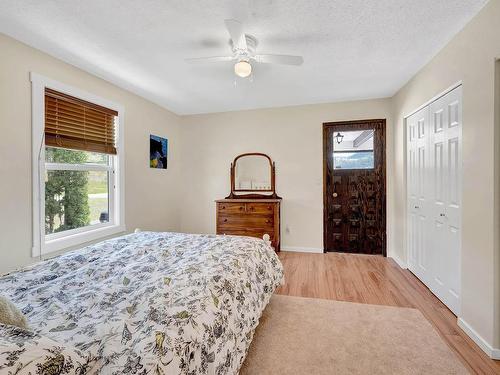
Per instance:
x=253, y=208
x=252, y=176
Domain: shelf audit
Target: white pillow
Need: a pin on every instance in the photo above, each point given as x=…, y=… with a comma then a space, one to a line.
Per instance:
x=10, y=314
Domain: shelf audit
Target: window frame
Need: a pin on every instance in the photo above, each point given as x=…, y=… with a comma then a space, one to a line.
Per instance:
x=45, y=244
x=110, y=169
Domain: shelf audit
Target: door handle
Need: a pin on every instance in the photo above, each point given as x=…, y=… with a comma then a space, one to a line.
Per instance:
x=442, y=215
x=417, y=207
x=335, y=195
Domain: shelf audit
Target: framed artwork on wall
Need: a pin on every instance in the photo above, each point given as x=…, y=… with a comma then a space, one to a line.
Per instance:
x=158, y=152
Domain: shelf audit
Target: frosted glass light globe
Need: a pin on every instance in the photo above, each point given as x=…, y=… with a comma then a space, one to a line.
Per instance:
x=242, y=69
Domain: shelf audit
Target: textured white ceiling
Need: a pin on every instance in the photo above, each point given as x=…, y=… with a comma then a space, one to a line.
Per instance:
x=354, y=49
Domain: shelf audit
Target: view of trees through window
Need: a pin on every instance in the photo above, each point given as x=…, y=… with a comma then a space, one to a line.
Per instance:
x=75, y=198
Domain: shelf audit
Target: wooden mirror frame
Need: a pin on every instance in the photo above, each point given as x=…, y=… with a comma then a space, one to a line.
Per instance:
x=252, y=193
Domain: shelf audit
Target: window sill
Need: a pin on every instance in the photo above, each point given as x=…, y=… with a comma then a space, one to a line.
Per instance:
x=77, y=239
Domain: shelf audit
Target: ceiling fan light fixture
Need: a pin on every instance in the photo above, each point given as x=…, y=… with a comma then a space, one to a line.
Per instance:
x=242, y=69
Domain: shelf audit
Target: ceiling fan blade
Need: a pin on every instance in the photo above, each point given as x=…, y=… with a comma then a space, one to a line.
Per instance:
x=235, y=29
x=279, y=59
x=202, y=60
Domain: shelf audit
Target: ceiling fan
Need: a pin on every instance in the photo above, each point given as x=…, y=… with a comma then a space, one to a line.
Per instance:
x=244, y=52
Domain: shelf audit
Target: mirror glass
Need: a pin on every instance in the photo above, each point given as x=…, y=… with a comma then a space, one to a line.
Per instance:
x=252, y=173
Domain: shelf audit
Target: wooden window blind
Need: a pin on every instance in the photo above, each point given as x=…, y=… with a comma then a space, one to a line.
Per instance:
x=77, y=124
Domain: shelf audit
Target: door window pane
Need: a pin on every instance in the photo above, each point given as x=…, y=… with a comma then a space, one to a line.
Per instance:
x=353, y=149
x=353, y=160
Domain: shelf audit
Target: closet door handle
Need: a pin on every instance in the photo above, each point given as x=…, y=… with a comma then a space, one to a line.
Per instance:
x=442, y=215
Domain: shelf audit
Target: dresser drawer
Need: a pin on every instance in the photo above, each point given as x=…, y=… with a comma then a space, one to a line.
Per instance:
x=245, y=221
x=231, y=208
x=260, y=208
x=249, y=217
x=248, y=233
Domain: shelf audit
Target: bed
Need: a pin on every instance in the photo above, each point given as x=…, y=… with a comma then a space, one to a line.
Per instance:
x=145, y=303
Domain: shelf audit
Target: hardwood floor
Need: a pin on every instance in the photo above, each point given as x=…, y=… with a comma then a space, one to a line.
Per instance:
x=377, y=280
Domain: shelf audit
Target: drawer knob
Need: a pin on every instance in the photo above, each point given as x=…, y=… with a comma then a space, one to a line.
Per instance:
x=225, y=220
x=268, y=221
x=223, y=207
x=241, y=207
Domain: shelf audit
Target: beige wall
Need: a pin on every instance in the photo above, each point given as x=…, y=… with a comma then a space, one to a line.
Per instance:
x=151, y=195
x=470, y=58
x=292, y=136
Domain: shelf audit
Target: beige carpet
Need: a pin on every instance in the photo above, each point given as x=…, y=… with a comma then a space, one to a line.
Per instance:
x=314, y=337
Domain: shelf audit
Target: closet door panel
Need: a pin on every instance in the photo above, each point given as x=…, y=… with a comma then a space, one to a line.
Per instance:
x=418, y=160
x=454, y=197
x=439, y=276
x=446, y=120
x=437, y=167
x=452, y=291
x=454, y=154
x=412, y=206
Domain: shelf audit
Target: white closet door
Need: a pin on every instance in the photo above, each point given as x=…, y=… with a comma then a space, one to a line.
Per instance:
x=446, y=161
x=434, y=170
x=418, y=202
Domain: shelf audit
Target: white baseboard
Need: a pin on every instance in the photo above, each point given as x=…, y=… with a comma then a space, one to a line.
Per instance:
x=482, y=343
x=302, y=249
x=495, y=354
x=400, y=263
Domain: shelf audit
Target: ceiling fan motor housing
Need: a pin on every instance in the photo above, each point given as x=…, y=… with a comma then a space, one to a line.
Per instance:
x=249, y=52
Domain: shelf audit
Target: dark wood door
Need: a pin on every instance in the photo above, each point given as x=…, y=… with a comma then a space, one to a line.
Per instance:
x=354, y=215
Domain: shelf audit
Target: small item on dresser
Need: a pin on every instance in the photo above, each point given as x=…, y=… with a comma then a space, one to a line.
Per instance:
x=253, y=207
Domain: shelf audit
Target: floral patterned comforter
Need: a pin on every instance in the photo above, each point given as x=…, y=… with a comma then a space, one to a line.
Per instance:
x=145, y=303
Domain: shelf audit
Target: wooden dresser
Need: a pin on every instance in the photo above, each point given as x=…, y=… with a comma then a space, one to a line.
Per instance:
x=250, y=217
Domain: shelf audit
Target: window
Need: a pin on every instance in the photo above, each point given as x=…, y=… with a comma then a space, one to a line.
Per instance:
x=353, y=149
x=77, y=189
x=77, y=159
